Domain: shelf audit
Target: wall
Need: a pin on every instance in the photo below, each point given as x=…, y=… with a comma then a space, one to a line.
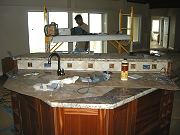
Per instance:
x=14, y=32
x=14, y=26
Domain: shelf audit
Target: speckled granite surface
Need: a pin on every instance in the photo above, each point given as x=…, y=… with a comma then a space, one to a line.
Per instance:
x=104, y=95
x=96, y=56
x=112, y=99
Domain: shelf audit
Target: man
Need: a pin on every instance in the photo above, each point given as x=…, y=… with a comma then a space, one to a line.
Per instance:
x=82, y=46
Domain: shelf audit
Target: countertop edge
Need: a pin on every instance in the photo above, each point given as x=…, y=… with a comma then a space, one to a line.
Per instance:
x=100, y=106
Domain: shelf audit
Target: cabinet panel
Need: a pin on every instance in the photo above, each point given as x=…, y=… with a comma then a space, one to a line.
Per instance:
x=80, y=125
x=47, y=119
x=32, y=116
x=8, y=64
x=122, y=119
x=30, y=113
x=16, y=113
x=148, y=110
x=76, y=121
x=25, y=117
x=150, y=114
x=166, y=111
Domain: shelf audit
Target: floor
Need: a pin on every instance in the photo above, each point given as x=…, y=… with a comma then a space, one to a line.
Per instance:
x=155, y=45
x=6, y=119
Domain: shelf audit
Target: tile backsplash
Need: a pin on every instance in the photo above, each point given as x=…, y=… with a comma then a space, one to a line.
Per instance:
x=94, y=65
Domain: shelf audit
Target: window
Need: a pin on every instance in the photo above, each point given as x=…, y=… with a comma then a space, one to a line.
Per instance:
x=36, y=29
x=36, y=32
x=95, y=26
x=136, y=28
x=84, y=16
x=155, y=25
x=85, y=20
x=155, y=30
x=61, y=18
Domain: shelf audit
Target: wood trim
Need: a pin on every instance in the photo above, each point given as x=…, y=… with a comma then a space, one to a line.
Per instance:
x=58, y=121
x=76, y=111
x=103, y=122
x=131, y=117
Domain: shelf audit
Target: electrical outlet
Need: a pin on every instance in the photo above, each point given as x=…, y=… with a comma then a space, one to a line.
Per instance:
x=154, y=66
x=29, y=64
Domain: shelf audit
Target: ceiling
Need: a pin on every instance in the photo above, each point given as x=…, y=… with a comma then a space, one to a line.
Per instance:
x=159, y=3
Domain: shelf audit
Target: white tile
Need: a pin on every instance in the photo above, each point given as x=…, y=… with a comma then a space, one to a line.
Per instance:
x=98, y=65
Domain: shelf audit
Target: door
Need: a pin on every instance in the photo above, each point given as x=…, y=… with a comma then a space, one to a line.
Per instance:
x=165, y=32
x=160, y=32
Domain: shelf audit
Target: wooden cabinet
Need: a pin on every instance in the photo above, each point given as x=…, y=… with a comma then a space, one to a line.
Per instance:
x=166, y=112
x=16, y=113
x=148, y=110
x=31, y=116
x=95, y=121
x=147, y=115
x=8, y=64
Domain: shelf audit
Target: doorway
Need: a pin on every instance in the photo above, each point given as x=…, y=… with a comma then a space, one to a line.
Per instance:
x=159, y=32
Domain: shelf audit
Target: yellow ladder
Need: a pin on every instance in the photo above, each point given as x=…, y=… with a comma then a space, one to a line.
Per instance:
x=121, y=28
x=124, y=45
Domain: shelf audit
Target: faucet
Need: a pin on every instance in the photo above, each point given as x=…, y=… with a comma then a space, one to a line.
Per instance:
x=60, y=72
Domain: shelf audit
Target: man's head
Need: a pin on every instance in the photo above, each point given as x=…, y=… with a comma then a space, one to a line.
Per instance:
x=79, y=20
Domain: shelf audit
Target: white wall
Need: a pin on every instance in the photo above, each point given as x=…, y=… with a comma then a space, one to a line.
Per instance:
x=14, y=32
x=14, y=26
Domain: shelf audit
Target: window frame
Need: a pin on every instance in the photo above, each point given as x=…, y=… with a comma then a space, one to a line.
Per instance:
x=70, y=25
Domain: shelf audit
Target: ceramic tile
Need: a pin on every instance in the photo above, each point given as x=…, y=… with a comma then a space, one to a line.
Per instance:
x=94, y=65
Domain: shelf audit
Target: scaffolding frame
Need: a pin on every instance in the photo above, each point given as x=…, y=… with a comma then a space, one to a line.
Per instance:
x=122, y=45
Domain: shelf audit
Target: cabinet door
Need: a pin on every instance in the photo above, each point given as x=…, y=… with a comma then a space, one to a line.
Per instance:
x=122, y=119
x=8, y=64
x=47, y=121
x=119, y=121
x=148, y=110
x=25, y=116
x=77, y=121
x=16, y=113
x=166, y=111
x=30, y=115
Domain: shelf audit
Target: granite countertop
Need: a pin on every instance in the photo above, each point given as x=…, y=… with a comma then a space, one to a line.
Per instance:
x=95, y=56
x=104, y=95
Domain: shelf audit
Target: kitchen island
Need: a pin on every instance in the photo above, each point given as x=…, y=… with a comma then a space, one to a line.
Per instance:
x=112, y=107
